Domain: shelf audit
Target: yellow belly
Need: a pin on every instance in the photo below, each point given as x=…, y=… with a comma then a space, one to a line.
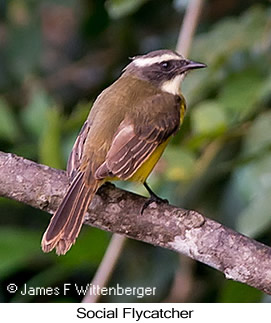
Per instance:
x=145, y=169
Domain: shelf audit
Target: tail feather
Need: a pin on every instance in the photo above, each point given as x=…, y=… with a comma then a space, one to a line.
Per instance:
x=59, y=219
x=73, y=226
x=67, y=221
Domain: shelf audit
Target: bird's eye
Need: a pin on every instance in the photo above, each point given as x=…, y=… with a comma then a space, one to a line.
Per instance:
x=165, y=65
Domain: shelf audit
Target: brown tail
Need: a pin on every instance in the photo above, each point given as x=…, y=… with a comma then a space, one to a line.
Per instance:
x=67, y=221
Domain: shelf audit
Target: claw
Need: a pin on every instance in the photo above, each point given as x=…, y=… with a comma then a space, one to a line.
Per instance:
x=152, y=198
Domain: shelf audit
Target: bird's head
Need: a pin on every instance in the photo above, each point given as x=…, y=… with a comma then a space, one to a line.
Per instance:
x=165, y=69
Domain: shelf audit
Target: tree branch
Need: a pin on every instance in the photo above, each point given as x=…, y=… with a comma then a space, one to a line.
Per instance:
x=106, y=267
x=185, y=231
x=188, y=27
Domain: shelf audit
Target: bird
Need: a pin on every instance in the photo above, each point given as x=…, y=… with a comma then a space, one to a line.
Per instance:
x=125, y=134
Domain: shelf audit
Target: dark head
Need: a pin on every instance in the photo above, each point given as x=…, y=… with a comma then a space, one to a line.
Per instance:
x=163, y=68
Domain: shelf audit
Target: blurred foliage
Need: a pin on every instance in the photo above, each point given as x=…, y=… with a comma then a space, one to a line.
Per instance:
x=57, y=56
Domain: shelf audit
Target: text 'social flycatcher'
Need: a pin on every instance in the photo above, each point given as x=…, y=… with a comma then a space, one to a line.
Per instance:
x=127, y=130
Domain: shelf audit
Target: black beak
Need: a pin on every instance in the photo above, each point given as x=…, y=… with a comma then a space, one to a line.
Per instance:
x=190, y=65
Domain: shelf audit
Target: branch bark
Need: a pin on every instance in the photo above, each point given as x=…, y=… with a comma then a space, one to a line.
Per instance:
x=188, y=232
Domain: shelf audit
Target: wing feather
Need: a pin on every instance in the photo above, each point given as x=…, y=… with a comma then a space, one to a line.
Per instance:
x=134, y=141
x=75, y=158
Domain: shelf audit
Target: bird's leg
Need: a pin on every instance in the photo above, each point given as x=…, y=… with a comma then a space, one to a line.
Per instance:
x=153, y=198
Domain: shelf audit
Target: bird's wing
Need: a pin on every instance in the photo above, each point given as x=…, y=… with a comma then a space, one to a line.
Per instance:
x=75, y=158
x=134, y=142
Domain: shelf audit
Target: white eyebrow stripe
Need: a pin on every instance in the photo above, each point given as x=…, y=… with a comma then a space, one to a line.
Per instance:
x=147, y=61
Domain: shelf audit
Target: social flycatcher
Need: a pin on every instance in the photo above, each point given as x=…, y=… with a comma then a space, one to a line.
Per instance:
x=127, y=130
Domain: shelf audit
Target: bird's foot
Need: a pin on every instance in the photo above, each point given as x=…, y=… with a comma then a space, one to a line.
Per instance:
x=151, y=199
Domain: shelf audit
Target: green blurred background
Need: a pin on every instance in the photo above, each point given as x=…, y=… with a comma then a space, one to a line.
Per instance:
x=56, y=57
